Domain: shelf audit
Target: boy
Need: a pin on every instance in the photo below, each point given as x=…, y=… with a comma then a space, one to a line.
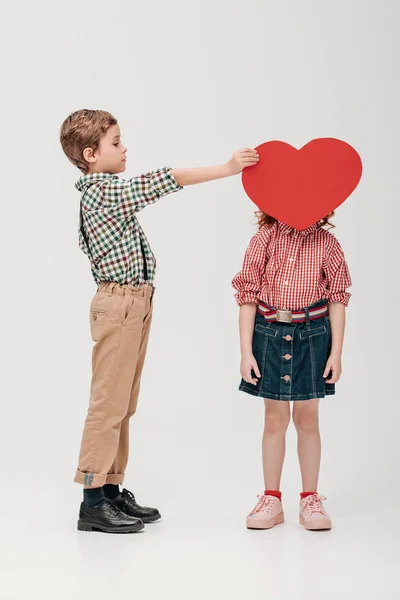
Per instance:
x=123, y=267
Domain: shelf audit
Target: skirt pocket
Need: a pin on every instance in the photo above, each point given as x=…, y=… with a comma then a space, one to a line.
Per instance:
x=315, y=345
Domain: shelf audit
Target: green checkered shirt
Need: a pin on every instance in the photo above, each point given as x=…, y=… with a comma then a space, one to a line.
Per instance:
x=112, y=238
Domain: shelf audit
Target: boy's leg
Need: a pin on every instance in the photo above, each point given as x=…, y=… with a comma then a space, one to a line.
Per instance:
x=117, y=320
x=121, y=459
x=125, y=500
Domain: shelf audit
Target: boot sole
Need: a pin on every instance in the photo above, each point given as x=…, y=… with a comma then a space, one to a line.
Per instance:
x=151, y=519
x=84, y=526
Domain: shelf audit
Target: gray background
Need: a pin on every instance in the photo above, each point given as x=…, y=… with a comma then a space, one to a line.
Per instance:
x=190, y=82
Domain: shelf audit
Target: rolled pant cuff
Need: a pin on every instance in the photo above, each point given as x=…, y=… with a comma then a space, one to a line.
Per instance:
x=98, y=479
x=115, y=478
x=90, y=479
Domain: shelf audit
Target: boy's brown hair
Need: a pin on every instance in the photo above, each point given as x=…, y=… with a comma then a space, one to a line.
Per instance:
x=84, y=129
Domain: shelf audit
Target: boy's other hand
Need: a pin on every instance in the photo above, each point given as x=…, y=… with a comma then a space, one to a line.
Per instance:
x=242, y=159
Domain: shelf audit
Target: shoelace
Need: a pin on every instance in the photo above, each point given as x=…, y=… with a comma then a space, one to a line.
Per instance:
x=314, y=504
x=114, y=510
x=264, y=504
x=126, y=492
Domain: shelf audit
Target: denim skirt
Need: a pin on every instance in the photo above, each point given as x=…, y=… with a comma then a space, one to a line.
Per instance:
x=291, y=358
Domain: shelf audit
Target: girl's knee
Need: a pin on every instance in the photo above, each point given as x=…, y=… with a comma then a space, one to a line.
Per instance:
x=306, y=420
x=277, y=418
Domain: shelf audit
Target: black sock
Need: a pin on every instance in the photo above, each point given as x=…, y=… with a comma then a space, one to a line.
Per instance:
x=111, y=491
x=93, y=496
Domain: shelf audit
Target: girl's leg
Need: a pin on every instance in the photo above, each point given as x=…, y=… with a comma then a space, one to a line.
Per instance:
x=305, y=418
x=277, y=418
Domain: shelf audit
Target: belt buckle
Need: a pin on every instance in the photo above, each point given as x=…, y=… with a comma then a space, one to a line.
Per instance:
x=284, y=316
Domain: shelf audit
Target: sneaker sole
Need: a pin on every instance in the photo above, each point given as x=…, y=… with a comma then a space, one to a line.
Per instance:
x=84, y=526
x=265, y=524
x=322, y=525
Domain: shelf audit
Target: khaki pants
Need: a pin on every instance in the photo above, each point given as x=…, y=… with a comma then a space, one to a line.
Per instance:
x=120, y=318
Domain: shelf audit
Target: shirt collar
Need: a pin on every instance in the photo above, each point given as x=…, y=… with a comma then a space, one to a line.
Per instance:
x=86, y=180
x=287, y=229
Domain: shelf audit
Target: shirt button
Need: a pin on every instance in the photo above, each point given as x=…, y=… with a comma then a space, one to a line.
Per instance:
x=288, y=338
x=286, y=377
x=285, y=283
x=287, y=356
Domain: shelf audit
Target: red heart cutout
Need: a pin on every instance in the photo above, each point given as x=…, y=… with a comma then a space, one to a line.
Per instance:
x=300, y=187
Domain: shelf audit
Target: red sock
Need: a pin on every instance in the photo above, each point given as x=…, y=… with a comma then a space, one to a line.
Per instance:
x=305, y=494
x=273, y=493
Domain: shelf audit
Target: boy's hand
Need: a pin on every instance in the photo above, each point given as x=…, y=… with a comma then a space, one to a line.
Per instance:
x=247, y=364
x=241, y=159
x=333, y=364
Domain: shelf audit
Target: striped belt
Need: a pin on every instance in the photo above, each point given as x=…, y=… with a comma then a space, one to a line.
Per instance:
x=288, y=316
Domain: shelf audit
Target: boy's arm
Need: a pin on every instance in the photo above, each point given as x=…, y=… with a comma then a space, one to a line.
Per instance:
x=125, y=197
x=241, y=159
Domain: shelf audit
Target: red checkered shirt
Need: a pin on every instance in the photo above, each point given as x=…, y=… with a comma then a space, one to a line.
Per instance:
x=290, y=269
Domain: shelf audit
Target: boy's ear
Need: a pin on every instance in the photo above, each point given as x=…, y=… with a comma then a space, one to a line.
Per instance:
x=88, y=155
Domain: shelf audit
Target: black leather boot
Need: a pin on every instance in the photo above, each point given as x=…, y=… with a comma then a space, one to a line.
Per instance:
x=126, y=502
x=107, y=517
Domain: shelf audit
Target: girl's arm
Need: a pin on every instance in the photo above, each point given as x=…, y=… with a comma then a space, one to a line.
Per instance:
x=241, y=159
x=339, y=280
x=248, y=363
x=337, y=313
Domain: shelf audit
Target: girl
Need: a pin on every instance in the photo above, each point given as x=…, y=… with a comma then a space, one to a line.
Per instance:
x=292, y=297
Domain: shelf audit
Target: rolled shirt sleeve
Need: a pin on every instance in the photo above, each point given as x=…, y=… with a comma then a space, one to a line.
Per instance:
x=249, y=279
x=127, y=196
x=337, y=275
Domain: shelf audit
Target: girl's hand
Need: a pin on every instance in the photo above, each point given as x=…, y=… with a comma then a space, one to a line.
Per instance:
x=247, y=364
x=333, y=364
x=241, y=159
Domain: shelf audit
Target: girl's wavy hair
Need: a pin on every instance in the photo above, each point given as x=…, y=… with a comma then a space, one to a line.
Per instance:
x=264, y=219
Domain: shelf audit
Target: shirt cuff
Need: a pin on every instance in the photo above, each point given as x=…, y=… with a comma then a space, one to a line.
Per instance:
x=342, y=297
x=244, y=297
x=163, y=182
